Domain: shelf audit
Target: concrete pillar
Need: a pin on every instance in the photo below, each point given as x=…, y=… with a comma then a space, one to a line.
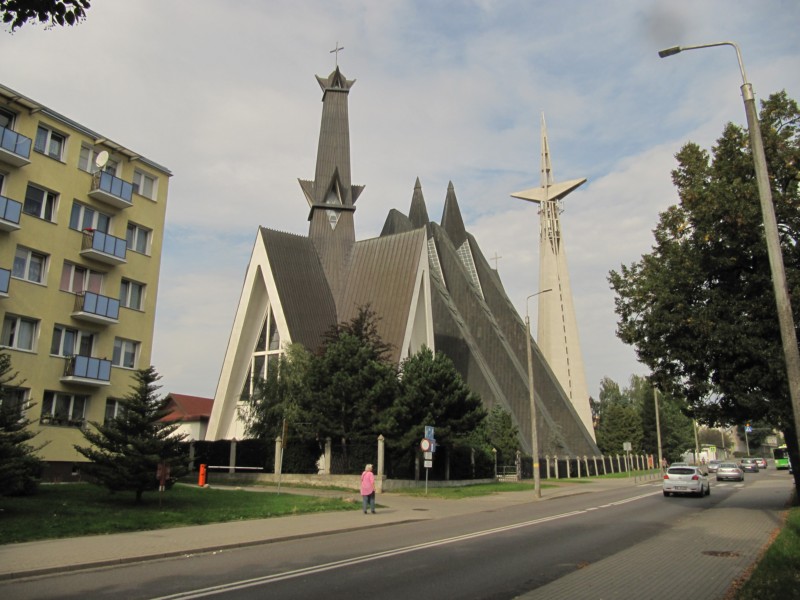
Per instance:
x=381, y=464
x=569, y=467
x=328, y=456
x=555, y=462
x=278, y=453
x=586, y=465
x=547, y=460
x=232, y=457
x=605, y=470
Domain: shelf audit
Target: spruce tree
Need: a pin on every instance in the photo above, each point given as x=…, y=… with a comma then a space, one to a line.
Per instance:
x=20, y=468
x=127, y=450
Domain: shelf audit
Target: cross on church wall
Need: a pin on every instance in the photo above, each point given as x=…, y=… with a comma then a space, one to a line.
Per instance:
x=495, y=258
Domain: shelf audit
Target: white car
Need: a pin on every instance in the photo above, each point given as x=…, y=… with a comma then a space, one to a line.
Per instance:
x=686, y=480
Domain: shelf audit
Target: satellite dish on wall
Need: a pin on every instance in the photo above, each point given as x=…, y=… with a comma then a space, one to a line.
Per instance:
x=101, y=159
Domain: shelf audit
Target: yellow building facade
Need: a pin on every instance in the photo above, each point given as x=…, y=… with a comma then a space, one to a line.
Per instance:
x=81, y=232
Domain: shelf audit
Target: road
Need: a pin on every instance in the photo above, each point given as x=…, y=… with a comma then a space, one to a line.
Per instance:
x=502, y=553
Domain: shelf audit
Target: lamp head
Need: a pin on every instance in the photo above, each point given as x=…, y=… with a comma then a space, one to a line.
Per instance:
x=669, y=51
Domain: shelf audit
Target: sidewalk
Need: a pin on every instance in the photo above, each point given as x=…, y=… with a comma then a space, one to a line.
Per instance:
x=709, y=554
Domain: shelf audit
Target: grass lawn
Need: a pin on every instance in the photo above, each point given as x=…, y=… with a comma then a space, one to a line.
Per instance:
x=70, y=510
x=471, y=491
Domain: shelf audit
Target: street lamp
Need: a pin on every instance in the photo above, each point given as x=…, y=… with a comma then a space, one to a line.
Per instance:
x=785, y=318
x=537, y=488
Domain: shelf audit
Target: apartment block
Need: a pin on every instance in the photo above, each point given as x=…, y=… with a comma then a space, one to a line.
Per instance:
x=81, y=231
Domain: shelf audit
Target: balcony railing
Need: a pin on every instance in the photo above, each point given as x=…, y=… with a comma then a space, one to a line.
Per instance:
x=111, y=190
x=10, y=211
x=15, y=149
x=5, y=280
x=87, y=370
x=103, y=247
x=96, y=308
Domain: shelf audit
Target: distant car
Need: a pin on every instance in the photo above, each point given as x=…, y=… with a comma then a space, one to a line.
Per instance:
x=762, y=462
x=729, y=471
x=713, y=465
x=749, y=465
x=686, y=480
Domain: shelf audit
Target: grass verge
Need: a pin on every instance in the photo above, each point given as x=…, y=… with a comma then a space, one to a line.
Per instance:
x=470, y=491
x=59, y=511
x=777, y=574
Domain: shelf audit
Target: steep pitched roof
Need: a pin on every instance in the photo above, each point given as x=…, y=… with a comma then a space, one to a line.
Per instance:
x=383, y=274
x=303, y=291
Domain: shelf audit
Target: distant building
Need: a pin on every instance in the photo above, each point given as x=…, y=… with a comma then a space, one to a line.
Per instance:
x=81, y=227
x=429, y=284
x=192, y=412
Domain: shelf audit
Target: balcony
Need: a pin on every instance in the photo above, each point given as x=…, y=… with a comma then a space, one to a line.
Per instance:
x=103, y=247
x=96, y=308
x=15, y=149
x=111, y=190
x=10, y=211
x=86, y=370
x=5, y=280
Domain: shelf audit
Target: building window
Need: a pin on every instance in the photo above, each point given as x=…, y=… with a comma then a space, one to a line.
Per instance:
x=63, y=409
x=71, y=342
x=40, y=203
x=88, y=161
x=138, y=238
x=14, y=401
x=49, y=142
x=265, y=355
x=19, y=333
x=6, y=119
x=125, y=353
x=77, y=279
x=29, y=265
x=144, y=184
x=113, y=410
x=82, y=217
x=131, y=294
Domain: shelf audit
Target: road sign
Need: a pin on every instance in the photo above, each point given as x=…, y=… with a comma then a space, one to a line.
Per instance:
x=425, y=445
x=429, y=432
x=428, y=464
x=748, y=429
x=428, y=456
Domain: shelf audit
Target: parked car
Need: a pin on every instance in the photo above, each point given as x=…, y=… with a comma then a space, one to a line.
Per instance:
x=713, y=465
x=762, y=462
x=749, y=465
x=686, y=480
x=729, y=471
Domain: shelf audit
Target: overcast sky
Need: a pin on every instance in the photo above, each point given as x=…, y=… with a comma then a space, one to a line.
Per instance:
x=223, y=94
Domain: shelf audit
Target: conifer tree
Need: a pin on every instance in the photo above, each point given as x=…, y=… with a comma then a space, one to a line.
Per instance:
x=127, y=450
x=20, y=468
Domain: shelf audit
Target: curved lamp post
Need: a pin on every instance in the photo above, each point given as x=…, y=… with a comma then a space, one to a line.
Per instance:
x=537, y=488
x=785, y=318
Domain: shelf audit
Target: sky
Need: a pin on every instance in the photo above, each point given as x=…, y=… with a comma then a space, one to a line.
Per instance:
x=223, y=94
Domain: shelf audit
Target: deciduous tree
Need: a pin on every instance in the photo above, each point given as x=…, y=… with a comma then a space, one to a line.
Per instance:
x=54, y=12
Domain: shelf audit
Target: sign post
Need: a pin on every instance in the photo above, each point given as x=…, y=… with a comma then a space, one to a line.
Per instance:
x=428, y=447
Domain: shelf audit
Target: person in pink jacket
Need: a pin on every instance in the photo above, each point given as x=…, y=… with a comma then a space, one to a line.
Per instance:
x=368, y=489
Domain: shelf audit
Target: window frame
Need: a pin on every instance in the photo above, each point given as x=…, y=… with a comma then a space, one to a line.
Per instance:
x=45, y=146
x=125, y=287
x=30, y=253
x=50, y=405
x=139, y=178
x=78, y=213
x=122, y=348
x=82, y=341
x=133, y=233
x=11, y=334
x=89, y=276
x=87, y=161
x=48, y=207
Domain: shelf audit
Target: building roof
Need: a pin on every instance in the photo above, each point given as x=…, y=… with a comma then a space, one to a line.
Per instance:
x=188, y=408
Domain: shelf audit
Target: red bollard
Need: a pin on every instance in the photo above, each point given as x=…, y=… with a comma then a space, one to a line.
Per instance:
x=201, y=480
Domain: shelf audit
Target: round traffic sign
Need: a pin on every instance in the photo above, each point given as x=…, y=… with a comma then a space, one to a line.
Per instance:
x=425, y=445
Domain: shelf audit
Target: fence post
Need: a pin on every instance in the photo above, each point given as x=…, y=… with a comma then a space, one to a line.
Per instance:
x=328, y=456
x=555, y=462
x=547, y=459
x=232, y=457
x=569, y=467
x=278, y=450
x=381, y=450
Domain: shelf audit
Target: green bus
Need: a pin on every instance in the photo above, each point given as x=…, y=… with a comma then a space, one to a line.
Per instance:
x=781, y=456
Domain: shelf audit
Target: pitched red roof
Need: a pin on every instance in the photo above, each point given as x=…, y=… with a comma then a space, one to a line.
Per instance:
x=188, y=408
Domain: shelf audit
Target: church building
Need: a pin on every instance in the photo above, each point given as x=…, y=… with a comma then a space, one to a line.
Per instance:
x=429, y=285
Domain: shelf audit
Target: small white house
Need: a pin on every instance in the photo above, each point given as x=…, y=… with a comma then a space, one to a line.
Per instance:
x=192, y=412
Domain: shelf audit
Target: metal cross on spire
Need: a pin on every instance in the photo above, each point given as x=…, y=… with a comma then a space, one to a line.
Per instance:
x=336, y=51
